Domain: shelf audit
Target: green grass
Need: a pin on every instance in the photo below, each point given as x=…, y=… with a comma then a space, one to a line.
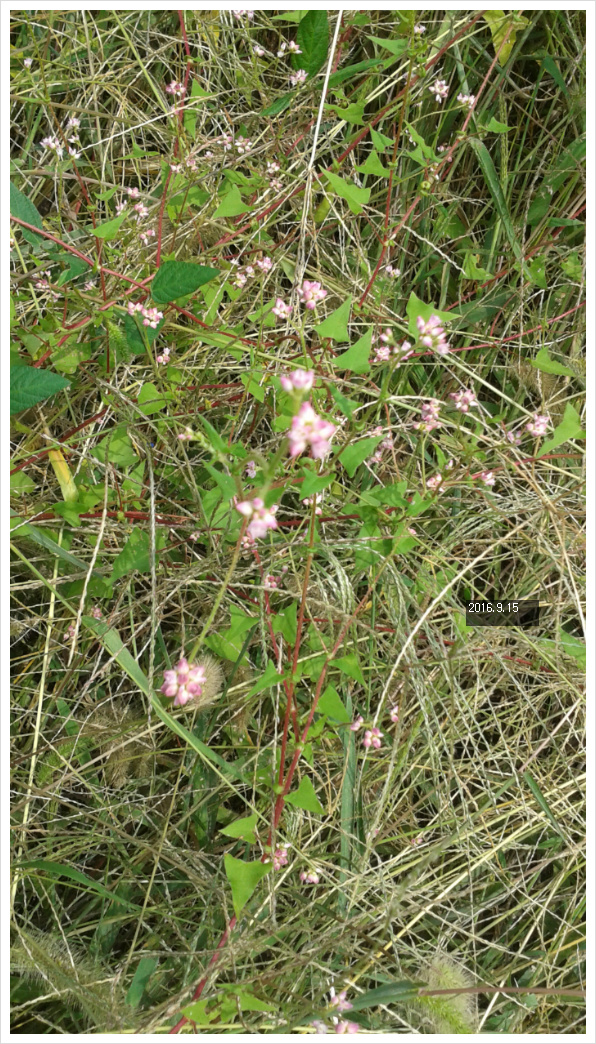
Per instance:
x=451, y=858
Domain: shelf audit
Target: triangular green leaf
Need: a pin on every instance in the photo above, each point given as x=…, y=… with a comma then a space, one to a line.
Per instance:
x=357, y=357
x=331, y=705
x=232, y=204
x=305, y=797
x=243, y=878
x=243, y=828
x=336, y=324
x=569, y=428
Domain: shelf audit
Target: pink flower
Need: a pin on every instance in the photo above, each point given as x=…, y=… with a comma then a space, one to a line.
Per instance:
x=466, y=99
x=96, y=613
x=89, y=285
x=339, y=1001
x=176, y=168
x=357, y=723
x=272, y=166
x=176, y=88
x=145, y=237
x=440, y=90
x=310, y=429
x=299, y=380
x=281, y=309
x=122, y=205
x=258, y=50
x=243, y=145
x=404, y=351
x=538, y=425
x=53, y=144
x=280, y=857
x=186, y=435
x=435, y=483
x=372, y=738
x=251, y=469
x=462, y=400
x=276, y=184
x=309, y=876
x=430, y=416
x=315, y=499
x=392, y=272
x=514, y=437
x=261, y=518
x=133, y=193
x=298, y=78
x=341, y=1026
x=382, y=353
x=184, y=682
x=419, y=29
x=293, y=47
x=310, y=293
x=242, y=12
x=141, y=210
x=69, y=633
x=271, y=583
x=265, y=264
x=394, y=715
x=432, y=334
x=487, y=477
x=387, y=336
x=28, y=62
x=163, y=357
x=151, y=317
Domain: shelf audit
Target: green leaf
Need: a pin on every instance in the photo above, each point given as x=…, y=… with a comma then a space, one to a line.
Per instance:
x=21, y=483
x=540, y=798
x=76, y=267
x=217, y=443
x=357, y=356
x=23, y=208
x=373, y=165
x=242, y=828
x=290, y=16
x=305, y=797
x=350, y=113
x=494, y=127
x=395, y=46
x=536, y=270
x=570, y=162
x=179, y=278
x=353, y=70
x=285, y=622
x=415, y=307
x=331, y=705
x=354, y=196
x=313, y=41
x=380, y=141
x=135, y=334
x=347, y=406
x=279, y=105
x=336, y=324
x=42, y=537
x=572, y=265
x=29, y=385
x=349, y=665
x=62, y=870
x=151, y=400
x=269, y=678
x=225, y=482
x=574, y=647
x=569, y=428
x=353, y=455
x=545, y=364
x=426, y=150
x=394, y=992
x=232, y=204
x=191, y=112
x=251, y=383
x=471, y=267
x=494, y=187
x=119, y=446
x=134, y=555
x=498, y=23
x=109, y=229
x=314, y=483
x=145, y=969
x=551, y=67
x=243, y=878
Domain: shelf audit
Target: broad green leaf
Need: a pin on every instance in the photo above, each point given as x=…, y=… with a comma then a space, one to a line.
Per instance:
x=570, y=162
x=21, y=483
x=232, y=204
x=380, y=141
x=290, y=16
x=494, y=127
x=109, y=229
x=134, y=555
x=179, y=278
x=536, y=270
x=471, y=268
x=426, y=150
x=119, y=447
x=499, y=23
x=373, y=165
x=355, y=197
x=574, y=647
x=545, y=364
x=253, y=387
x=357, y=357
x=243, y=878
x=349, y=113
x=62, y=870
x=336, y=324
x=313, y=41
x=225, y=482
x=314, y=483
x=76, y=267
x=305, y=797
x=571, y=265
x=30, y=385
x=331, y=705
x=279, y=105
x=194, y=197
x=217, y=443
x=396, y=46
x=353, y=455
x=197, y=1012
x=243, y=828
x=143, y=973
x=347, y=406
x=151, y=400
x=23, y=208
x=135, y=334
x=285, y=622
x=269, y=678
x=569, y=428
x=191, y=111
x=349, y=665
x=392, y=993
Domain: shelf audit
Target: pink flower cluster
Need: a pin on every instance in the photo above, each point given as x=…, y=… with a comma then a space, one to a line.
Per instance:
x=164, y=356
x=96, y=613
x=183, y=682
x=466, y=99
x=384, y=351
x=487, y=477
x=394, y=714
x=339, y=1000
x=298, y=78
x=291, y=47
x=315, y=499
x=308, y=429
x=176, y=88
x=309, y=876
x=310, y=293
x=462, y=400
x=429, y=412
x=432, y=334
x=299, y=380
x=261, y=517
x=372, y=738
x=280, y=857
x=151, y=316
x=357, y=723
x=538, y=425
x=242, y=12
x=53, y=144
x=69, y=633
x=440, y=90
x=436, y=483
x=281, y=309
